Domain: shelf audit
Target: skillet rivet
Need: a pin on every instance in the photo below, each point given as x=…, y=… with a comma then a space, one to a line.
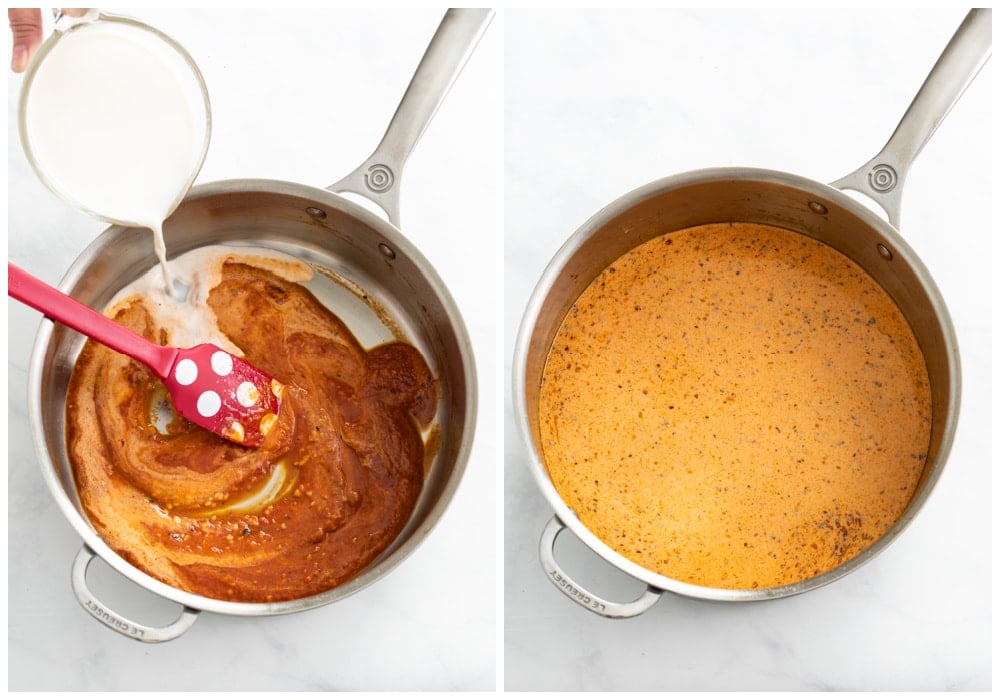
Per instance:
x=316, y=212
x=884, y=251
x=387, y=251
x=817, y=207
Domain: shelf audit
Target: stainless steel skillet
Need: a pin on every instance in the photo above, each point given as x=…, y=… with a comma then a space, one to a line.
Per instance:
x=374, y=278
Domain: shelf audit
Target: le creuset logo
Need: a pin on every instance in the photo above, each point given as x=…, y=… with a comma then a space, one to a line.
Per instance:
x=575, y=592
x=111, y=620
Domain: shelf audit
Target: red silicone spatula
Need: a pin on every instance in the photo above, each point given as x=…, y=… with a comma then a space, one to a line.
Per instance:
x=208, y=386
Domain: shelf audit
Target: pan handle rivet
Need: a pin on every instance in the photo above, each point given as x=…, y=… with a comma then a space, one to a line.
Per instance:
x=884, y=251
x=388, y=252
x=817, y=207
x=316, y=212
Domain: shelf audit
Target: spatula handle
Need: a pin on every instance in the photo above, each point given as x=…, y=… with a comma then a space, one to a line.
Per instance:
x=81, y=318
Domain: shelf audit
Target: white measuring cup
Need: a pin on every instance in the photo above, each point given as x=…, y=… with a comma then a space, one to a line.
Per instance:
x=114, y=118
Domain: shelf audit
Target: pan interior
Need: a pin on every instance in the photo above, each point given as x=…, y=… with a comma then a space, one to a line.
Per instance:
x=367, y=273
x=761, y=197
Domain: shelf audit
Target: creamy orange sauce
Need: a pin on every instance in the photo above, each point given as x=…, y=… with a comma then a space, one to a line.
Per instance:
x=735, y=406
x=334, y=483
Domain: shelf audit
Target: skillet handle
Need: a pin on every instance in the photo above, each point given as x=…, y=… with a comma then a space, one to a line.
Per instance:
x=578, y=594
x=123, y=625
x=378, y=177
x=882, y=177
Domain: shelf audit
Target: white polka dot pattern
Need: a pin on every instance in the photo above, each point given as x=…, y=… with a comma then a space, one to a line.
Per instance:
x=222, y=363
x=209, y=404
x=247, y=394
x=222, y=393
x=186, y=372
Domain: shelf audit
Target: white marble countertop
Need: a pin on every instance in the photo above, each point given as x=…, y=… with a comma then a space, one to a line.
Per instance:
x=302, y=96
x=597, y=103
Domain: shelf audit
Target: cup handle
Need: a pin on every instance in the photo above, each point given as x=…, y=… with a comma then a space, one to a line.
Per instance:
x=579, y=595
x=103, y=614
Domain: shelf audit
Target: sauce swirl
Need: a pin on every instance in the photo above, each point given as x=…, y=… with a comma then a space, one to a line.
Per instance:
x=334, y=483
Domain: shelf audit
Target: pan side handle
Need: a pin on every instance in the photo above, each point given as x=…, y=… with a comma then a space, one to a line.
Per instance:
x=578, y=594
x=882, y=177
x=378, y=177
x=100, y=612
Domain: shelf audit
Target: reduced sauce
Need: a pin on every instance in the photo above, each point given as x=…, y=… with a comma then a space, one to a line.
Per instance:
x=735, y=406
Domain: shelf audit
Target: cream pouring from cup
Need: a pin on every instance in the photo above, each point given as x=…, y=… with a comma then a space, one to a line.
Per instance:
x=115, y=119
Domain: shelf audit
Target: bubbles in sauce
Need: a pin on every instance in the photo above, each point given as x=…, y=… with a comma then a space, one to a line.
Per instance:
x=115, y=120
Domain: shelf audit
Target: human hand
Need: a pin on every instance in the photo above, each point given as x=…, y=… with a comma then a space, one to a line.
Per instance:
x=26, y=27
